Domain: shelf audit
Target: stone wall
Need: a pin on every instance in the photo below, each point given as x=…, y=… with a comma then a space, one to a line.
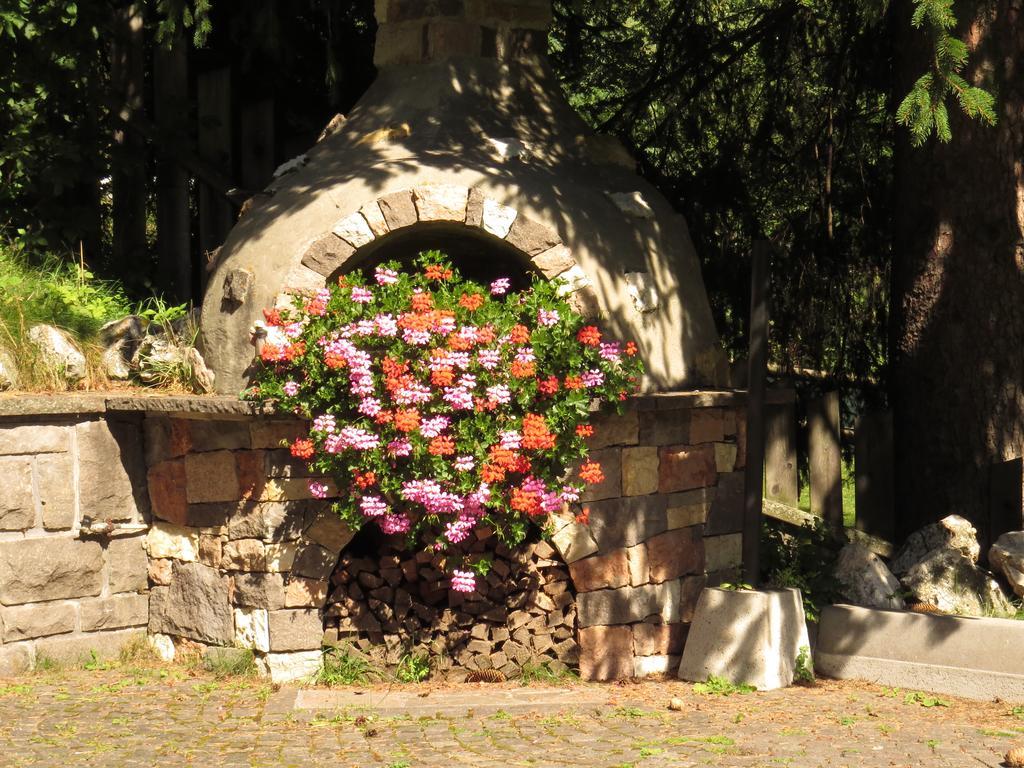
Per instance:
x=67, y=588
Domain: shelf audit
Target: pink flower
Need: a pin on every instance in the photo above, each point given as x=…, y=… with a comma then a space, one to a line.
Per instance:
x=547, y=317
x=511, y=440
x=499, y=288
x=369, y=406
x=570, y=494
x=489, y=358
x=525, y=355
x=291, y=388
x=499, y=393
x=318, y=489
x=463, y=581
x=386, y=325
x=610, y=351
x=294, y=330
x=458, y=398
x=372, y=506
x=434, y=426
x=361, y=295
x=399, y=447
x=464, y=463
x=414, y=393
x=593, y=378
x=325, y=423
x=419, y=338
x=391, y=524
x=385, y=276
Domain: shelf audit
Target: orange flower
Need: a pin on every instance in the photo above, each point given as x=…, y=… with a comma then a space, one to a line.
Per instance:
x=502, y=457
x=422, y=302
x=458, y=343
x=548, y=386
x=272, y=316
x=335, y=360
x=536, y=436
x=583, y=518
x=437, y=272
x=630, y=348
x=442, y=377
x=365, y=480
x=485, y=334
x=521, y=465
x=585, y=430
x=384, y=417
x=407, y=419
x=471, y=301
x=519, y=334
x=589, y=335
x=393, y=367
x=441, y=446
x=491, y=473
x=302, y=449
x=573, y=382
x=591, y=473
x=526, y=501
x=522, y=370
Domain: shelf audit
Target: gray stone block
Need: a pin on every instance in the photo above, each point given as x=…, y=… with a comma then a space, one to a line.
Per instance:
x=270, y=521
x=314, y=562
x=37, y=438
x=328, y=531
x=54, y=481
x=664, y=427
x=220, y=435
x=112, y=472
x=115, y=612
x=17, y=507
x=746, y=636
x=629, y=604
x=195, y=605
x=295, y=630
x=625, y=522
x=36, y=570
x=211, y=477
x=726, y=513
x=258, y=590
x=29, y=621
x=127, y=565
x=16, y=659
x=76, y=649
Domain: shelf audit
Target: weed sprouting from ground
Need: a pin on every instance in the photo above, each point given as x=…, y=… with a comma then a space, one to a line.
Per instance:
x=719, y=686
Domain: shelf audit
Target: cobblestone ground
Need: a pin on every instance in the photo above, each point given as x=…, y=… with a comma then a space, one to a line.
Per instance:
x=171, y=716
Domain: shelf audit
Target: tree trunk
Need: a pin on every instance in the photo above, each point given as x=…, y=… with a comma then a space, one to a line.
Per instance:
x=957, y=346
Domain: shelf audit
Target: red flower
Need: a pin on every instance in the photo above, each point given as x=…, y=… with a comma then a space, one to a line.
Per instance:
x=459, y=343
x=365, y=480
x=526, y=501
x=522, y=370
x=421, y=302
x=491, y=473
x=591, y=473
x=442, y=377
x=441, y=446
x=589, y=335
x=437, y=272
x=272, y=316
x=585, y=430
x=630, y=348
x=536, y=436
x=573, y=382
x=303, y=449
x=471, y=301
x=583, y=518
x=335, y=360
x=548, y=386
x=384, y=417
x=485, y=334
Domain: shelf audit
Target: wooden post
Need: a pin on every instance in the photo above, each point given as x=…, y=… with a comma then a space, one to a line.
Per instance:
x=214, y=104
x=825, y=459
x=257, y=145
x=128, y=154
x=873, y=460
x=780, y=460
x=758, y=364
x=173, y=218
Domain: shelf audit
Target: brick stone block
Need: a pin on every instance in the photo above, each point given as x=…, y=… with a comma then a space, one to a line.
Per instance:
x=639, y=570
x=532, y=237
x=726, y=512
x=683, y=467
x=398, y=208
x=174, y=542
x=258, y=590
x=252, y=474
x=271, y=433
x=294, y=489
x=166, y=482
x=625, y=522
x=36, y=570
x=613, y=429
x=314, y=562
x=610, y=460
x=244, y=555
x=160, y=572
x=211, y=550
x=322, y=258
x=29, y=621
x=441, y=202
x=271, y=521
x=328, y=531
x=165, y=438
x=606, y=653
x=675, y=553
x=658, y=639
x=639, y=471
x=115, y=612
x=220, y=436
x=648, y=666
x=690, y=507
x=723, y=552
x=112, y=470
x=354, y=230
x=305, y=593
x=195, y=605
x=628, y=605
x=404, y=10
x=77, y=649
x=56, y=490
x=281, y=557
x=398, y=44
x=295, y=630
x=664, y=427
x=127, y=565
x=215, y=516
x=741, y=438
x=707, y=425
x=211, y=477
x=252, y=629
x=572, y=540
x=36, y=438
x=600, y=571
x=16, y=659
x=554, y=262
x=17, y=507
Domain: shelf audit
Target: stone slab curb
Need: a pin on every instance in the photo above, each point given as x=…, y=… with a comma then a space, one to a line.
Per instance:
x=976, y=658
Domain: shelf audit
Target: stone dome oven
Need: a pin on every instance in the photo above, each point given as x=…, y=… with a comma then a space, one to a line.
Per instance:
x=465, y=143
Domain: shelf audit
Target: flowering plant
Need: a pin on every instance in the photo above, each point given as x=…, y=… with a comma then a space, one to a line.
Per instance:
x=439, y=405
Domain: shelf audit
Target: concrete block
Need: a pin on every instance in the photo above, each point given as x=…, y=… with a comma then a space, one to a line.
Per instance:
x=127, y=565
x=76, y=649
x=35, y=438
x=977, y=658
x=112, y=471
x=115, y=612
x=16, y=659
x=291, y=667
x=295, y=630
x=56, y=491
x=17, y=507
x=36, y=570
x=40, y=620
x=746, y=636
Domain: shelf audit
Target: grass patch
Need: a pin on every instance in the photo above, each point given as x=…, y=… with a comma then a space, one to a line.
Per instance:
x=543, y=673
x=719, y=686
x=925, y=700
x=343, y=666
x=413, y=668
x=230, y=662
x=848, y=477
